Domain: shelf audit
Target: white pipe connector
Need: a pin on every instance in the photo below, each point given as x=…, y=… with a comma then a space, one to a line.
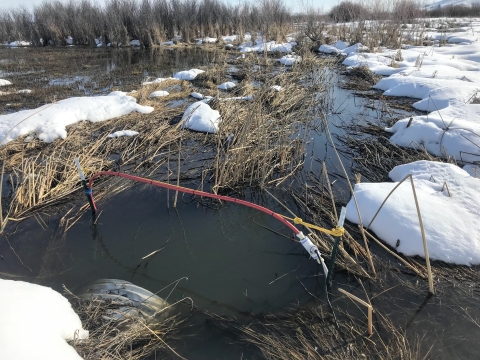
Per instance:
x=308, y=245
x=312, y=249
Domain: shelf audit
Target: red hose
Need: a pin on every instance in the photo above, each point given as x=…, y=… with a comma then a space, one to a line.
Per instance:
x=196, y=192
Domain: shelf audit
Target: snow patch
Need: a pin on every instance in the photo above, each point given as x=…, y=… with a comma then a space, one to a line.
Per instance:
x=117, y=134
x=289, y=60
x=49, y=122
x=158, y=80
x=4, y=82
x=159, y=93
x=19, y=43
x=187, y=74
x=197, y=95
x=270, y=46
x=36, y=322
x=227, y=85
x=201, y=117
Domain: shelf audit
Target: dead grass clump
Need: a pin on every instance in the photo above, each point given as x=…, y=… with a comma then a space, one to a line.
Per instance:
x=212, y=77
x=176, y=89
x=261, y=142
x=129, y=338
x=43, y=175
x=312, y=332
x=360, y=78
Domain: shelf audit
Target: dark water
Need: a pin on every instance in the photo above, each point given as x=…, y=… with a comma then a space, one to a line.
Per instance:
x=233, y=264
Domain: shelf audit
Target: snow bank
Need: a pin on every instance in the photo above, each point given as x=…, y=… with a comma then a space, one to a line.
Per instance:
x=187, y=74
x=289, y=60
x=451, y=222
x=159, y=93
x=4, y=82
x=49, y=121
x=201, y=117
x=117, y=134
x=227, y=85
x=36, y=322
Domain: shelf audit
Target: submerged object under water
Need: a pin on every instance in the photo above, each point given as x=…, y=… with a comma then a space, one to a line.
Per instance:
x=128, y=300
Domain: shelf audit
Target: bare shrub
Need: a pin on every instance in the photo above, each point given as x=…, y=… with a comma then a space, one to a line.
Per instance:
x=347, y=11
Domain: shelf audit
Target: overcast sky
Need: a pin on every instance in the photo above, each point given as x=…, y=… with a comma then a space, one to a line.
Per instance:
x=293, y=4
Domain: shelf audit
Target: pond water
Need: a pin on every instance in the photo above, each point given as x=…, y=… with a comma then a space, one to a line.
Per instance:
x=226, y=260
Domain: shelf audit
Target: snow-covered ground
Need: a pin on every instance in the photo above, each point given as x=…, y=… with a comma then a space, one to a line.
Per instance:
x=49, y=121
x=36, y=322
x=445, y=3
x=445, y=79
x=450, y=217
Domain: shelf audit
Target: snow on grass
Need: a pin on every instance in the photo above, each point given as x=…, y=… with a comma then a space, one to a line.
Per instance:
x=135, y=43
x=19, y=43
x=247, y=98
x=208, y=40
x=451, y=222
x=24, y=91
x=289, y=60
x=160, y=93
x=4, y=82
x=230, y=38
x=187, y=74
x=117, y=134
x=227, y=85
x=158, y=80
x=36, y=322
x=201, y=117
x=276, y=87
x=199, y=96
x=167, y=43
x=270, y=46
x=335, y=48
x=49, y=122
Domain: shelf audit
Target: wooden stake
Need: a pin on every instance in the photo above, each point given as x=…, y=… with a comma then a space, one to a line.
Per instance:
x=425, y=247
x=367, y=305
x=178, y=174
